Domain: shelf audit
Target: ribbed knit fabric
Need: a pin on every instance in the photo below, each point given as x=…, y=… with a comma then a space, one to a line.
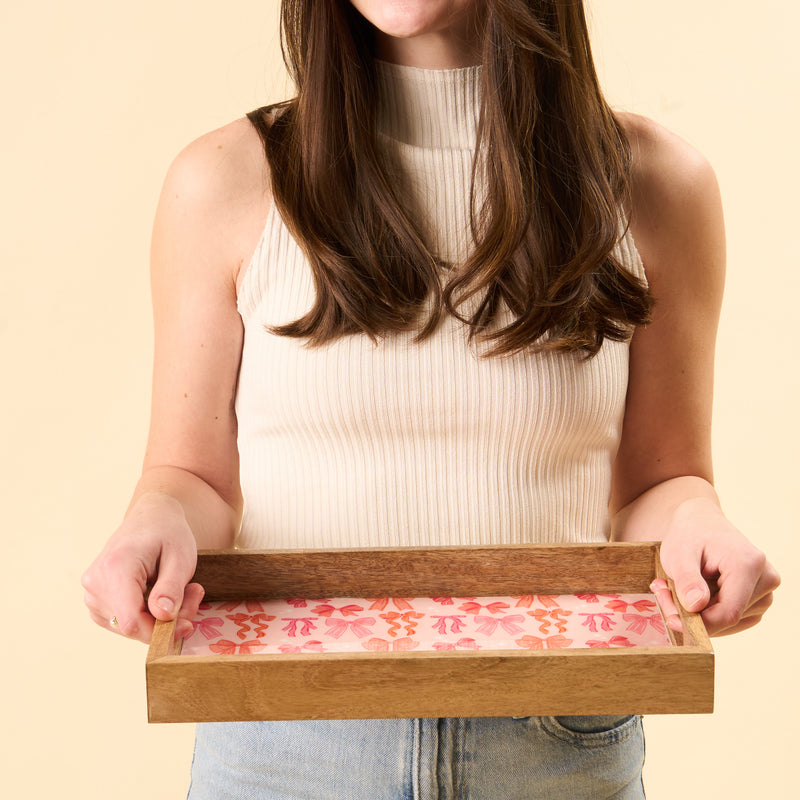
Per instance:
x=355, y=444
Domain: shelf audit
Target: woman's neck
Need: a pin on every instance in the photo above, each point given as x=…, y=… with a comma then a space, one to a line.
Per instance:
x=438, y=50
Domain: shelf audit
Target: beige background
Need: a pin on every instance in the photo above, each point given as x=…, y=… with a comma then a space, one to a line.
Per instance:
x=97, y=98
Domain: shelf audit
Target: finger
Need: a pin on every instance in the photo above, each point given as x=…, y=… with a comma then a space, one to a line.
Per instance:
x=768, y=582
x=683, y=561
x=691, y=587
x=738, y=584
x=750, y=617
x=101, y=620
x=669, y=610
x=142, y=628
x=176, y=567
x=192, y=597
x=742, y=625
x=120, y=600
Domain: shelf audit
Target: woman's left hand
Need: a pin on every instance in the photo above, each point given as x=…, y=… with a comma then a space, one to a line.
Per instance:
x=662, y=487
x=716, y=570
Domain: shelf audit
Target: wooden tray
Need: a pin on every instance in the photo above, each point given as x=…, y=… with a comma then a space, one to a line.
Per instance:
x=645, y=680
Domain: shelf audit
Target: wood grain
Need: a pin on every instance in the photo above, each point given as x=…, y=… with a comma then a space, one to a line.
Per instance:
x=163, y=643
x=426, y=572
x=694, y=631
x=382, y=685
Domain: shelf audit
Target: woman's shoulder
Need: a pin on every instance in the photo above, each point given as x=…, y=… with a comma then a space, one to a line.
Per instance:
x=225, y=166
x=675, y=203
x=664, y=164
x=219, y=185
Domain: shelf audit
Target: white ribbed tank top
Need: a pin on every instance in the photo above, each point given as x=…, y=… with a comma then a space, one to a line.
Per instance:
x=355, y=444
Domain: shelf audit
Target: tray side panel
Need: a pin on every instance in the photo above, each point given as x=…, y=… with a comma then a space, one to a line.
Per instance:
x=649, y=681
x=404, y=572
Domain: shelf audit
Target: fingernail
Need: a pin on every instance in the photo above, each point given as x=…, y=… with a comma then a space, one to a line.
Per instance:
x=166, y=604
x=694, y=596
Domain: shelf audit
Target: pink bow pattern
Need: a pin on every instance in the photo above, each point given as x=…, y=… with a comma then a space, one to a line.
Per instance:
x=606, y=621
x=398, y=645
x=311, y=647
x=557, y=642
x=395, y=624
x=307, y=624
x=509, y=623
x=400, y=603
x=360, y=627
x=456, y=623
x=465, y=643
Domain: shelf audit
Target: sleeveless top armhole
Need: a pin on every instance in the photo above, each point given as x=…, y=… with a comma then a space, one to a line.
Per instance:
x=629, y=255
x=253, y=283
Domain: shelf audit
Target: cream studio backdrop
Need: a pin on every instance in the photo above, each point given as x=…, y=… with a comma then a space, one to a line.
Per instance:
x=97, y=99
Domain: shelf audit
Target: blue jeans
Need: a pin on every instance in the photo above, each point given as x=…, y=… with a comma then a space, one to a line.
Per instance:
x=528, y=758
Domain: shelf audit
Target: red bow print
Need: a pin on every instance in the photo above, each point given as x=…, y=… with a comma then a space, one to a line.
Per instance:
x=614, y=641
x=326, y=610
x=242, y=622
x=380, y=603
x=228, y=648
x=251, y=606
x=493, y=608
x=456, y=623
x=606, y=622
x=312, y=646
x=292, y=623
x=640, y=605
x=593, y=598
x=638, y=622
x=448, y=601
x=395, y=617
x=382, y=646
x=464, y=644
x=550, y=643
x=207, y=626
x=487, y=625
x=527, y=600
x=336, y=627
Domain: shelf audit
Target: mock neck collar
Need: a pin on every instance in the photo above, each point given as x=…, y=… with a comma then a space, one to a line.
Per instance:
x=435, y=108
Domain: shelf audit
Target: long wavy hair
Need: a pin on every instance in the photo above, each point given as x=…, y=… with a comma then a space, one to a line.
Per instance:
x=553, y=165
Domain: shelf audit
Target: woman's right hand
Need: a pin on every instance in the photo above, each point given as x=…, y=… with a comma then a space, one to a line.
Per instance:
x=143, y=572
x=210, y=216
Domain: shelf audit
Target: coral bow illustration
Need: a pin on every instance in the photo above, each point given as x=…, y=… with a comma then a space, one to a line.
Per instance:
x=614, y=641
x=312, y=646
x=509, y=623
x=308, y=625
x=638, y=622
x=606, y=621
x=473, y=607
x=464, y=643
x=398, y=645
x=527, y=600
x=208, y=626
x=640, y=605
x=557, y=642
x=228, y=648
x=400, y=603
x=326, y=610
x=360, y=627
x=456, y=623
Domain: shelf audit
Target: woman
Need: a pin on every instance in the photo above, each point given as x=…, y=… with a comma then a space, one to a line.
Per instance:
x=482, y=309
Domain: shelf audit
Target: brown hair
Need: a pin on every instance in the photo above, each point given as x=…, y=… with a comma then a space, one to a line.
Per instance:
x=554, y=162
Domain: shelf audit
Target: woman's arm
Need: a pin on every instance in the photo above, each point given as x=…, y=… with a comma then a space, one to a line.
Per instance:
x=663, y=474
x=210, y=215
